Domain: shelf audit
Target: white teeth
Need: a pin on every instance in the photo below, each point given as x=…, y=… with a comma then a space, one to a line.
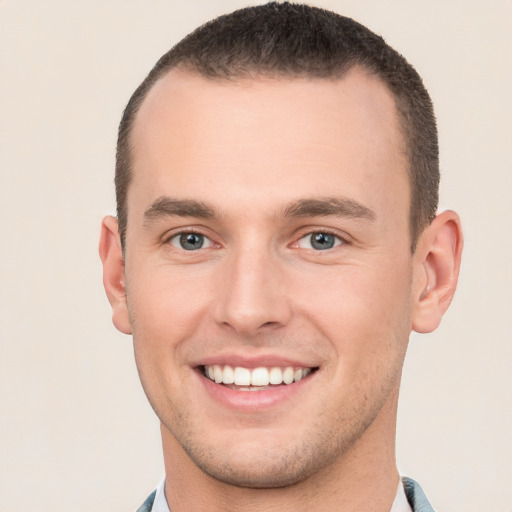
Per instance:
x=217, y=373
x=260, y=377
x=288, y=375
x=228, y=375
x=257, y=377
x=276, y=376
x=242, y=376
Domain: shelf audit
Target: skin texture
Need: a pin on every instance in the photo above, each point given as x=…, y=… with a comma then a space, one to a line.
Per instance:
x=252, y=153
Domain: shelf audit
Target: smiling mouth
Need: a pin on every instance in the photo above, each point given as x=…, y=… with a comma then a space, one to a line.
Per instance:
x=255, y=379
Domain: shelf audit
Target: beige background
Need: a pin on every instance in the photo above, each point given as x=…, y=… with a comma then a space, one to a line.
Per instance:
x=76, y=433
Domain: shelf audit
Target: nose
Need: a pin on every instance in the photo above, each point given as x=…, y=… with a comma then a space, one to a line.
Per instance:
x=252, y=294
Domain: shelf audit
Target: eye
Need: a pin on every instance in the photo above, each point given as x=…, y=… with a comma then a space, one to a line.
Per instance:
x=319, y=241
x=190, y=241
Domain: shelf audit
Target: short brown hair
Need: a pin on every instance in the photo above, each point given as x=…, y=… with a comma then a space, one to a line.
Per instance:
x=295, y=40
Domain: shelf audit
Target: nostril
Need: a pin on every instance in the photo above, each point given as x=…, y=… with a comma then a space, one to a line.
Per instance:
x=270, y=324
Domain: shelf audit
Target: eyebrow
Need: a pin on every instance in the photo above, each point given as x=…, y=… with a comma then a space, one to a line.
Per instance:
x=329, y=206
x=168, y=206
x=314, y=207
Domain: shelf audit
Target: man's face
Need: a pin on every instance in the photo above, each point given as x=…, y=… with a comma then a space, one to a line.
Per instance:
x=268, y=229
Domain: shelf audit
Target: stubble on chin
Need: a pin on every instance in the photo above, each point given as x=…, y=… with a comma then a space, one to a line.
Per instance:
x=271, y=466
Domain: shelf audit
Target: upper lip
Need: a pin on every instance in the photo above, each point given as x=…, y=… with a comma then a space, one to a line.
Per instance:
x=254, y=361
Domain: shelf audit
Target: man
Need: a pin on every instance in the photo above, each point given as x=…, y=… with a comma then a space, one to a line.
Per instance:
x=276, y=242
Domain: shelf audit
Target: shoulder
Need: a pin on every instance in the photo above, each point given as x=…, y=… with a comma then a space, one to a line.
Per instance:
x=416, y=496
x=148, y=504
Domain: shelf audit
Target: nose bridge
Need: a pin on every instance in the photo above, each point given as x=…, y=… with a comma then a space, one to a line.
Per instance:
x=251, y=292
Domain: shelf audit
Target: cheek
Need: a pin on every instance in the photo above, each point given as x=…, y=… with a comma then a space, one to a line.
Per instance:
x=363, y=309
x=165, y=310
x=165, y=303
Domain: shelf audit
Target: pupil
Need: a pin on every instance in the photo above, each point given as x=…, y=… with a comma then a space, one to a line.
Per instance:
x=191, y=241
x=322, y=241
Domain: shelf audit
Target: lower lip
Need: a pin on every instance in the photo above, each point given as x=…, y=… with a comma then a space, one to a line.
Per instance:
x=253, y=401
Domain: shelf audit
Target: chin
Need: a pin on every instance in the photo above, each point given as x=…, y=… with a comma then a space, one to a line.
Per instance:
x=258, y=464
x=258, y=471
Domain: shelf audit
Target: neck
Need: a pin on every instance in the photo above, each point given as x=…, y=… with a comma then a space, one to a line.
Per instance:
x=365, y=479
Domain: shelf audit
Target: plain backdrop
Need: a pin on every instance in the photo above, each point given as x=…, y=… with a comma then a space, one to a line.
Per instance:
x=76, y=432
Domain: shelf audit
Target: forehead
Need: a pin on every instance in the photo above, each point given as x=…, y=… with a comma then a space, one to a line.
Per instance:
x=252, y=133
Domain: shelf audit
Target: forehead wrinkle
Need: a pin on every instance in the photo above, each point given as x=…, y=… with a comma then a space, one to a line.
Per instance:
x=169, y=206
x=328, y=206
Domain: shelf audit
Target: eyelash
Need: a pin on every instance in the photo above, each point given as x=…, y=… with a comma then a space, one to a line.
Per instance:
x=168, y=240
x=340, y=240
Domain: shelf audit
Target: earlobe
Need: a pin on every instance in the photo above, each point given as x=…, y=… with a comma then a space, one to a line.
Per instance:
x=113, y=273
x=437, y=262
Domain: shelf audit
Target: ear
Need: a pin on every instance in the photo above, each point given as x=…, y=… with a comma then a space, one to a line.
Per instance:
x=437, y=264
x=114, y=282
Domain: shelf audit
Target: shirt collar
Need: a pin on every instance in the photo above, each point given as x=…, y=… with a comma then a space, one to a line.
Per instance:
x=399, y=505
x=160, y=503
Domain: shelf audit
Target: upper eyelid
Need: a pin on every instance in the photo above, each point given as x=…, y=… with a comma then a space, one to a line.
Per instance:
x=298, y=235
x=172, y=233
x=342, y=242
x=330, y=231
x=323, y=231
x=168, y=241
